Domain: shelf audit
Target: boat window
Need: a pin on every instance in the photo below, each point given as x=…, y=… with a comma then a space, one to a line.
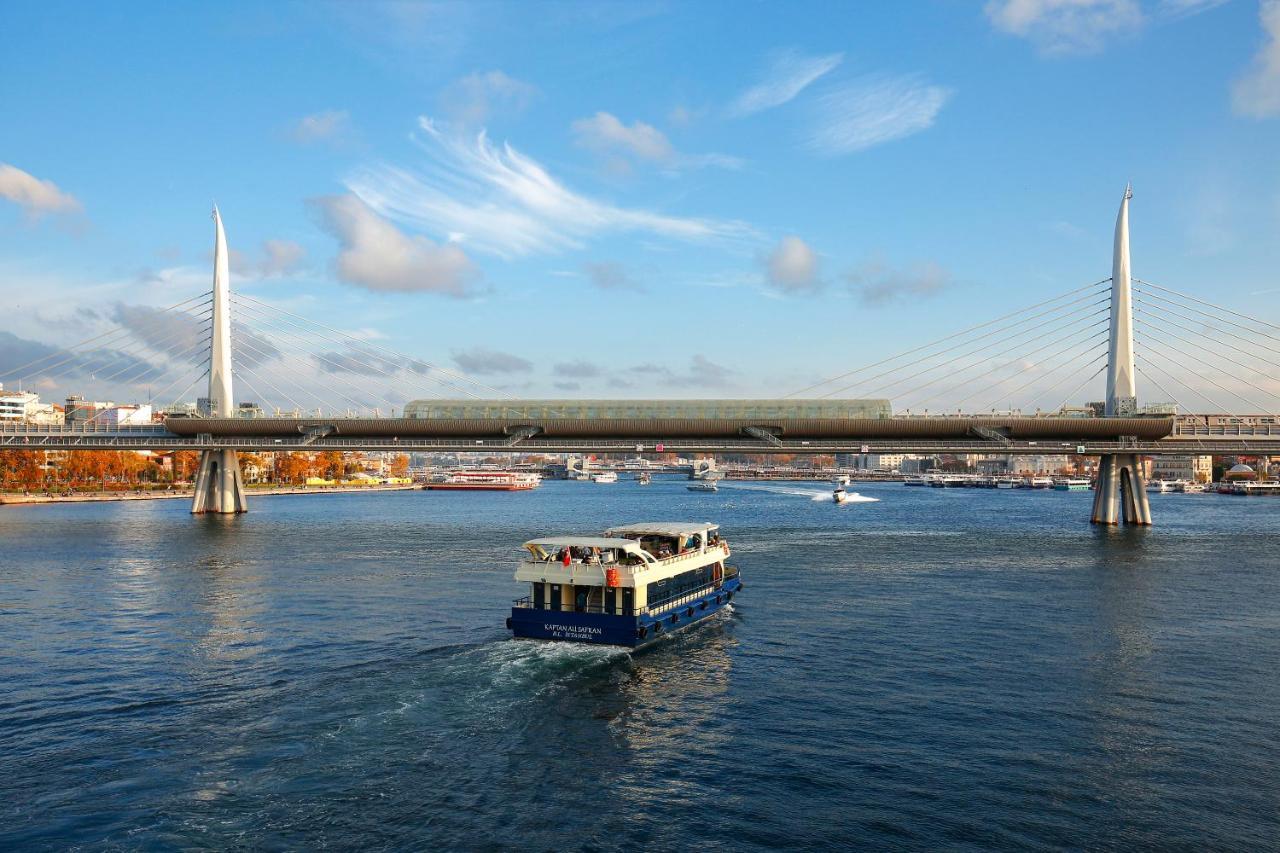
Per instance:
x=539, y=596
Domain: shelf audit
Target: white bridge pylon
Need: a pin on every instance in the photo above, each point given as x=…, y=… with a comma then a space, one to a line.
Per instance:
x=219, y=487
x=1120, y=490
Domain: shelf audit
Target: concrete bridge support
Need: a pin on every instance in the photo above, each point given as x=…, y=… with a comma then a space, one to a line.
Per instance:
x=1121, y=492
x=219, y=486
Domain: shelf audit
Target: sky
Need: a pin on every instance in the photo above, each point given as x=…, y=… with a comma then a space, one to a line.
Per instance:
x=638, y=199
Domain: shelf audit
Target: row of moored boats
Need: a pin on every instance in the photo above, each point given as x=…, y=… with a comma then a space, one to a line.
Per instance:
x=1081, y=484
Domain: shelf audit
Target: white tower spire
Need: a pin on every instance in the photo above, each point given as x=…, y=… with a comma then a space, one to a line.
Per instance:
x=221, y=401
x=1122, y=392
x=219, y=487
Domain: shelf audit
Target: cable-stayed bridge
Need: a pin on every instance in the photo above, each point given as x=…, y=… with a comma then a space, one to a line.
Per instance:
x=314, y=387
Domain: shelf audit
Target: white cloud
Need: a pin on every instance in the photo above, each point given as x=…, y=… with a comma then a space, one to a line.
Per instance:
x=793, y=267
x=605, y=134
x=501, y=202
x=473, y=99
x=318, y=127
x=788, y=75
x=878, y=284
x=1066, y=26
x=278, y=258
x=378, y=256
x=610, y=276
x=482, y=361
x=34, y=196
x=874, y=109
x=1257, y=93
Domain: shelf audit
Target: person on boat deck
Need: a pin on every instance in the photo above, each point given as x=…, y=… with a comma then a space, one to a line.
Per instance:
x=581, y=600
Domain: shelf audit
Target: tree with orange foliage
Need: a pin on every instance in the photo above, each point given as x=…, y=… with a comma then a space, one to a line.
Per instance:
x=400, y=465
x=292, y=468
x=21, y=469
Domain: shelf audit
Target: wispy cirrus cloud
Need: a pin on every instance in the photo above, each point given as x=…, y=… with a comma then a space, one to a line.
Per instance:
x=1257, y=93
x=877, y=284
x=872, y=110
x=787, y=75
x=496, y=200
x=482, y=361
x=36, y=197
x=607, y=275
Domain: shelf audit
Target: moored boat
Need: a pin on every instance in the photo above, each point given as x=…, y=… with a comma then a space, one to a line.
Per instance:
x=629, y=587
x=1071, y=484
x=483, y=481
x=604, y=477
x=644, y=478
x=1008, y=483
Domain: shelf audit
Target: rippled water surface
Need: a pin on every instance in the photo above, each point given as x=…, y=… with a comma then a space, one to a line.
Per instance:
x=940, y=668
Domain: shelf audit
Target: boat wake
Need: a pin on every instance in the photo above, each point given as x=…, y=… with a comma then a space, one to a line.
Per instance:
x=794, y=491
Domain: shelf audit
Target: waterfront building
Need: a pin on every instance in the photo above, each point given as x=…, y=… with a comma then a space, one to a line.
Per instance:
x=875, y=461
x=130, y=414
x=248, y=410
x=647, y=409
x=17, y=405
x=1197, y=469
x=78, y=410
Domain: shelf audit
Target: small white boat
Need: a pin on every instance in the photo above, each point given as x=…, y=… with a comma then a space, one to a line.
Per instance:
x=704, y=486
x=839, y=495
x=644, y=478
x=1188, y=487
x=1159, y=486
x=916, y=480
x=604, y=477
x=1007, y=483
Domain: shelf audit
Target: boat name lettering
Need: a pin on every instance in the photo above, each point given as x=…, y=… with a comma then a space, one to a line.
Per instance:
x=571, y=630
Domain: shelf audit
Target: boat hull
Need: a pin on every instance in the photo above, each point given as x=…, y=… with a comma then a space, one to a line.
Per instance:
x=608, y=629
x=476, y=487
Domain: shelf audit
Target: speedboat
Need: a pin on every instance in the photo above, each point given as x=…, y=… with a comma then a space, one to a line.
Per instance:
x=703, y=486
x=644, y=478
x=629, y=587
x=839, y=495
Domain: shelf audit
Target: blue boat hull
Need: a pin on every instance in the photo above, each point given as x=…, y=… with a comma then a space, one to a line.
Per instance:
x=609, y=629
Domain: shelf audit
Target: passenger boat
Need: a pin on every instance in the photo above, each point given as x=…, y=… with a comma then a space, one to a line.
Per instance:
x=644, y=478
x=483, y=481
x=1159, y=486
x=1188, y=487
x=1040, y=483
x=629, y=587
x=604, y=477
x=704, y=486
x=1072, y=484
x=915, y=480
x=1008, y=483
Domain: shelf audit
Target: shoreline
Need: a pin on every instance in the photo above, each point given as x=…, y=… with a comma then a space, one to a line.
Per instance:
x=98, y=497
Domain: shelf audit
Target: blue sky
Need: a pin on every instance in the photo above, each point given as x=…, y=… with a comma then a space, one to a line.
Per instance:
x=721, y=199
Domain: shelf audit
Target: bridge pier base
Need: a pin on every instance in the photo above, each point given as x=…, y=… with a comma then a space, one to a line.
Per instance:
x=219, y=487
x=1121, y=492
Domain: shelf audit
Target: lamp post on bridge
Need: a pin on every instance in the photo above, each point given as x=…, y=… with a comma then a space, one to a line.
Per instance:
x=218, y=486
x=1121, y=492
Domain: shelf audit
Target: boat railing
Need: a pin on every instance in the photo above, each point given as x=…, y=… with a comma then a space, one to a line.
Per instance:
x=652, y=608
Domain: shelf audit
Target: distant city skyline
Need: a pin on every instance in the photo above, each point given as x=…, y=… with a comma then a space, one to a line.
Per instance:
x=630, y=200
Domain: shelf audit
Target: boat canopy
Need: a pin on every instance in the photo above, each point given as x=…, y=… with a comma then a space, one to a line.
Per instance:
x=543, y=549
x=663, y=528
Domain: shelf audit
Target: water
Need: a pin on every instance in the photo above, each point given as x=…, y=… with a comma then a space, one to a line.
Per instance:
x=941, y=668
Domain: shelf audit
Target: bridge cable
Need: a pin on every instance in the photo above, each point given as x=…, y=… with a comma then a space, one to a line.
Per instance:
x=1163, y=390
x=1160, y=331
x=367, y=345
x=122, y=332
x=1227, y=373
x=1210, y=304
x=1249, y=403
x=110, y=332
x=934, y=343
x=1216, y=405
x=169, y=351
x=1090, y=341
x=1077, y=318
x=1070, y=362
x=1154, y=317
x=1080, y=387
x=1077, y=312
x=245, y=372
x=1203, y=315
x=339, y=368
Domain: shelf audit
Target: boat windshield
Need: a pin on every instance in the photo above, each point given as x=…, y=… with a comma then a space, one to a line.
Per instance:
x=586, y=550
